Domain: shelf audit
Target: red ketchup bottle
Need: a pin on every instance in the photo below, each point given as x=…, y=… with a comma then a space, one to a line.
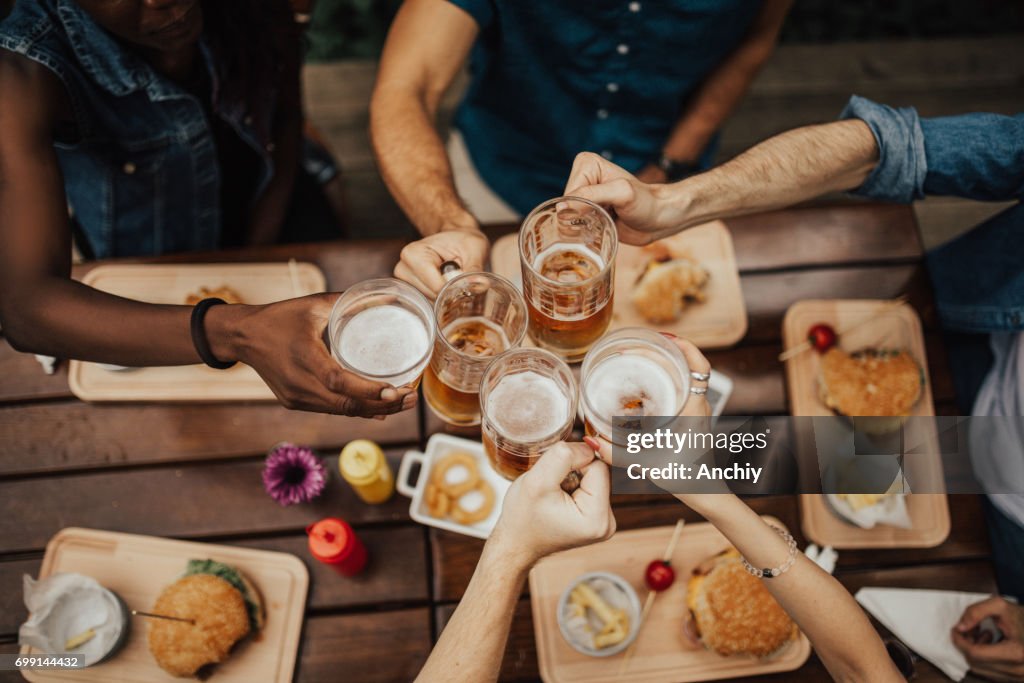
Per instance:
x=333, y=542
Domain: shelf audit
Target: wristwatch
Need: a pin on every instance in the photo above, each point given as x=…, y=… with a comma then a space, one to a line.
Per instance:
x=676, y=170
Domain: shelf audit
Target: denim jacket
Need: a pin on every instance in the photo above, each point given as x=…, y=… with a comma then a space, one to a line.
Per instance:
x=979, y=276
x=141, y=174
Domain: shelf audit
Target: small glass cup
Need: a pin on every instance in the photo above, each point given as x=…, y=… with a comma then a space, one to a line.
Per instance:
x=382, y=330
x=567, y=252
x=632, y=372
x=479, y=316
x=527, y=404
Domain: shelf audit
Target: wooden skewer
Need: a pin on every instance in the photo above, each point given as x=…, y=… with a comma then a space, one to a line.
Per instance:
x=150, y=615
x=293, y=273
x=669, y=551
x=805, y=344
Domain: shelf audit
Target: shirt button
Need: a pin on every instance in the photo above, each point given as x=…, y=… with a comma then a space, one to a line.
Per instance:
x=622, y=49
x=602, y=113
x=247, y=120
x=607, y=155
x=271, y=146
x=129, y=168
x=634, y=7
x=613, y=87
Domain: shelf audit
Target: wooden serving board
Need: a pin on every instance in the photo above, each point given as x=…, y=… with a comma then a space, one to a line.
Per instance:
x=256, y=283
x=721, y=320
x=663, y=654
x=139, y=567
x=878, y=324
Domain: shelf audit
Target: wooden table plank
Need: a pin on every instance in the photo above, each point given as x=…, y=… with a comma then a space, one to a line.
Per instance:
x=397, y=574
x=83, y=436
x=455, y=556
x=385, y=647
x=198, y=501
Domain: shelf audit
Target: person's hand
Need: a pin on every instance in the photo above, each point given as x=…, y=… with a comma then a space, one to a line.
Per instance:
x=644, y=212
x=420, y=263
x=284, y=343
x=1002, y=661
x=539, y=518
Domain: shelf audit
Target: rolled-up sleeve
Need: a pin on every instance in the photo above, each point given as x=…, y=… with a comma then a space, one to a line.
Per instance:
x=976, y=156
x=482, y=11
x=902, y=165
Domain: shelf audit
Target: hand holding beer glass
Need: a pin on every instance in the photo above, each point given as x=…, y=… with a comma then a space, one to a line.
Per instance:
x=567, y=252
x=479, y=316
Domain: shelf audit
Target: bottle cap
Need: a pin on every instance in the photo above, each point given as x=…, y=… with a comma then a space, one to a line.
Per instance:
x=361, y=461
x=330, y=540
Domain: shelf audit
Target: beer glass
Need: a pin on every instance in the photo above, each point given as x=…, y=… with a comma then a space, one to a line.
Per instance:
x=567, y=253
x=382, y=330
x=527, y=404
x=479, y=316
x=633, y=373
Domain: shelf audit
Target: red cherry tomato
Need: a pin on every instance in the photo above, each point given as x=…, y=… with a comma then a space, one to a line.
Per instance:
x=659, y=575
x=822, y=337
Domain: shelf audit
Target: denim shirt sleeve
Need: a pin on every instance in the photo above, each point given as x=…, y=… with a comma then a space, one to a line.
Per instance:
x=482, y=11
x=977, y=156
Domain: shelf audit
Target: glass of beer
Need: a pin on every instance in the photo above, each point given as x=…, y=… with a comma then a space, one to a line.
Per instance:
x=567, y=252
x=632, y=373
x=382, y=330
x=479, y=316
x=528, y=404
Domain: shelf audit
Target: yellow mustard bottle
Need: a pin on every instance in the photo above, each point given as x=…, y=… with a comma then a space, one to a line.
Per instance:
x=363, y=465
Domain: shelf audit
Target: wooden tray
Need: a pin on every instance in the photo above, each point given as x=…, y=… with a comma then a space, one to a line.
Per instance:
x=256, y=283
x=138, y=567
x=719, y=321
x=662, y=651
x=893, y=327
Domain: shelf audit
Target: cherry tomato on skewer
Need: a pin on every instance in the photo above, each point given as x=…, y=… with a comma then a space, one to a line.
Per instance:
x=659, y=575
x=821, y=337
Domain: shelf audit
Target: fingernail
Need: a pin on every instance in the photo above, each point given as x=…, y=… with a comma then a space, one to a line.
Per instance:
x=380, y=417
x=389, y=394
x=592, y=442
x=409, y=401
x=669, y=335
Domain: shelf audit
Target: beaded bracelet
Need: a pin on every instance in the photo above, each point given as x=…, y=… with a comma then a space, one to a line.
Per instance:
x=770, y=572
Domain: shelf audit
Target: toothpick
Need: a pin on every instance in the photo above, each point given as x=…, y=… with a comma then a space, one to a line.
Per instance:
x=293, y=272
x=805, y=344
x=666, y=557
x=150, y=615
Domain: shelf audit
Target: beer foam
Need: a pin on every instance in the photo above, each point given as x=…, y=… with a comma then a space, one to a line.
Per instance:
x=383, y=340
x=527, y=406
x=547, y=263
x=632, y=385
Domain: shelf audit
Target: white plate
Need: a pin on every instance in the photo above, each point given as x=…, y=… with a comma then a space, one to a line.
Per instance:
x=438, y=446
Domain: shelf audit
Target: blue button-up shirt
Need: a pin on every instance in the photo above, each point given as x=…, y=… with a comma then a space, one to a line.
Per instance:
x=551, y=79
x=978, y=277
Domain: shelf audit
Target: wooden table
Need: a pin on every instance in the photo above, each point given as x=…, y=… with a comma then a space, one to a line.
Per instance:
x=192, y=471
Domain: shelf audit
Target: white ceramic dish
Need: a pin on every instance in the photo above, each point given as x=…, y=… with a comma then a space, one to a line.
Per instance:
x=438, y=446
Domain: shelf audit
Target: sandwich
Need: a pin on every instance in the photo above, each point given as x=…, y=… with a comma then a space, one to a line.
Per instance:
x=871, y=383
x=667, y=286
x=224, y=608
x=732, y=613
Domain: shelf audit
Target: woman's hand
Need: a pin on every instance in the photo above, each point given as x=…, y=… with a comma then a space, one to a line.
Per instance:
x=644, y=213
x=420, y=263
x=539, y=518
x=1002, y=661
x=284, y=343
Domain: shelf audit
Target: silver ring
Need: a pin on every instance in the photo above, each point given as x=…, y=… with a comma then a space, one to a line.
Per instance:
x=699, y=391
x=450, y=270
x=701, y=376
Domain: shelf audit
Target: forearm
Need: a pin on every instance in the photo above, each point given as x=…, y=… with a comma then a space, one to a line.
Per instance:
x=838, y=629
x=789, y=168
x=471, y=647
x=413, y=161
x=66, y=319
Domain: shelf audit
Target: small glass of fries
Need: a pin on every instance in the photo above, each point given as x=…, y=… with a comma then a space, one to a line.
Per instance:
x=599, y=614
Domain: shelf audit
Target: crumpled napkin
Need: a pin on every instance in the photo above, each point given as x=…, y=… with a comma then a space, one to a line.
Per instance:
x=922, y=619
x=891, y=510
x=63, y=606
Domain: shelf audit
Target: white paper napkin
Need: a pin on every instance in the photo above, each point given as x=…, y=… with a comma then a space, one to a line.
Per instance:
x=922, y=619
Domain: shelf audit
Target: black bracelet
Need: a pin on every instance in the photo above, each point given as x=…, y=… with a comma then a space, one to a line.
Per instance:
x=199, y=334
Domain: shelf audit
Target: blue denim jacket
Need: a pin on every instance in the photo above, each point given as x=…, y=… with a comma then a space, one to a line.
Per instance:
x=141, y=174
x=979, y=276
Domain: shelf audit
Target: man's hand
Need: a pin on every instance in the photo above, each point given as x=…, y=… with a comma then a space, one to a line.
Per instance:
x=539, y=518
x=284, y=343
x=420, y=264
x=1002, y=661
x=644, y=213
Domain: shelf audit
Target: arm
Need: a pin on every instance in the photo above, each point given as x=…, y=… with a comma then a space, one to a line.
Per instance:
x=426, y=46
x=44, y=311
x=537, y=519
x=722, y=90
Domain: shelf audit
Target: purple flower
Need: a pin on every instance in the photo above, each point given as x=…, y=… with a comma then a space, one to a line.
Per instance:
x=292, y=474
